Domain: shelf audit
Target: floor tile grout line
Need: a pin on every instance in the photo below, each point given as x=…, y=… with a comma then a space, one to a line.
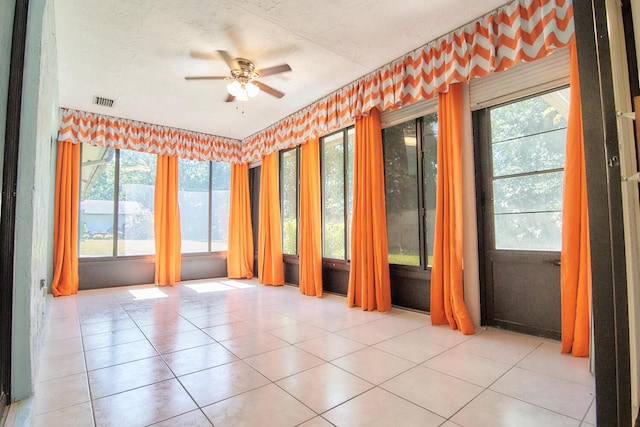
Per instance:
x=414, y=403
x=488, y=387
x=584, y=418
x=554, y=376
x=86, y=367
x=534, y=404
x=289, y=344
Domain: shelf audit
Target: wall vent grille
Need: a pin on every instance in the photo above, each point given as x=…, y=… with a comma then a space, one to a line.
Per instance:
x=105, y=102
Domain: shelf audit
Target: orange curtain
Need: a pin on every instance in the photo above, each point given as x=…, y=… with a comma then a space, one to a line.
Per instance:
x=310, y=226
x=270, y=264
x=369, y=285
x=575, y=270
x=167, y=221
x=447, y=294
x=240, y=245
x=65, y=227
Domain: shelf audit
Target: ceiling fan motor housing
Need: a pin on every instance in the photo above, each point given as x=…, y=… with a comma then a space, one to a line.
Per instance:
x=246, y=72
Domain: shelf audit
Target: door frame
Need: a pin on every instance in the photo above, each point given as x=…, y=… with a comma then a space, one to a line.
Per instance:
x=608, y=268
x=486, y=226
x=9, y=186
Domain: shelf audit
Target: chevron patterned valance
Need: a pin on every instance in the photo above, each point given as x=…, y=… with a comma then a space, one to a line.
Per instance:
x=523, y=30
x=96, y=129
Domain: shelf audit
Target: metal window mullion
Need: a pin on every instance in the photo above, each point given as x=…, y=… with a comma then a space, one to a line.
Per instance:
x=422, y=212
x=526, y=212
x=281, y=184
x=525, y=174
x=210, y=228
x=322, y=192
x=116, y=203
x=79, y=225
x=515, y=138
x=345, y=190
x=297, y=189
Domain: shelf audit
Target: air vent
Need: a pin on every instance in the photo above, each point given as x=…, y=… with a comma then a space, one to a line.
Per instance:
x=103, y=101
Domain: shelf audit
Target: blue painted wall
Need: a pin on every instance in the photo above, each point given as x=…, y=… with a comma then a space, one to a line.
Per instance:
x=36, y=186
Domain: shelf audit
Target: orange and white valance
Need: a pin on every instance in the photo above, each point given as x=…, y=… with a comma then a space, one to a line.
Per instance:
x=96, y=129
x=523, y=30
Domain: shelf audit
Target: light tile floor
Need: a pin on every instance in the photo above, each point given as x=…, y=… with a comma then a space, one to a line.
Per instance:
x=232, y=353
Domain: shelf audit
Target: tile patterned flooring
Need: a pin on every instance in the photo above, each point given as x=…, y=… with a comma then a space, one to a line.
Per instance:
x=233, y=353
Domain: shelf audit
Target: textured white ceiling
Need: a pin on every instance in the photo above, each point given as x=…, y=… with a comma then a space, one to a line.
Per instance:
x=137, y=52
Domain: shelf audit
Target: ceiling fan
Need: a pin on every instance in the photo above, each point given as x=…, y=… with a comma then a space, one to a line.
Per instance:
x=243, y=84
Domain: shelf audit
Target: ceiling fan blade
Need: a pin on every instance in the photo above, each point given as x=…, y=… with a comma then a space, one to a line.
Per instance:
x=205, y=77
x=202, y=55
x=269, y=89
x=274, y=70
x=231, y=63
x=230, y=98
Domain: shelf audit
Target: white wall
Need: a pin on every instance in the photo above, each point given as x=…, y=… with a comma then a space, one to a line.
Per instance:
x=36, y=172
x=469, y=217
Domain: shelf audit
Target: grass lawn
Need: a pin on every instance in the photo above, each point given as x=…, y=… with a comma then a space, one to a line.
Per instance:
x=404, y=259
x=104, y=247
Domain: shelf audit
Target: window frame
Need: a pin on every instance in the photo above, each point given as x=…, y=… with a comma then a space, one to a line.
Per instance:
x=346, y=190
x=489, y=160
x=422, y=197
x=116, y=201
x=209, y=207
x=281, y=154
x=210, y=230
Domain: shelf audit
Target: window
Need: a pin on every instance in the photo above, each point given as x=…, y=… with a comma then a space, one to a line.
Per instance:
x=97, y=194
x=204, y=205
x=527, y=162
x=220, y=196
x=193, y=197
x=103, y=170
x=429, y=144
x=203, y=195
x=137, y=175
x=337, y=188
x=410, y=188
x=289, y=198
x=401, y=193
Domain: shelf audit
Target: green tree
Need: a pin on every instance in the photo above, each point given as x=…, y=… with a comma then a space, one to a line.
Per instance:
x=289, y=200
x=528, y=153
x=193, y=175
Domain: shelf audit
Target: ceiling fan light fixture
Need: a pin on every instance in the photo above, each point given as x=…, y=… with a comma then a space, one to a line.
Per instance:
x=252, y=89
x=242, y=95
x=234, y=88
x=241, y=84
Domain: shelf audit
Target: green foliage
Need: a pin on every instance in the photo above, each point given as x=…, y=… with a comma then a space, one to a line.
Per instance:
x=289, y=184
x=289, y=236
x=84, y=231
x=193, y=175
x=430, y=159
x=220, y=176
x=139, y=226
x=135, y=168
x=333, y=240
x=400, y=162
x=103, y=186
x=528, y=137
